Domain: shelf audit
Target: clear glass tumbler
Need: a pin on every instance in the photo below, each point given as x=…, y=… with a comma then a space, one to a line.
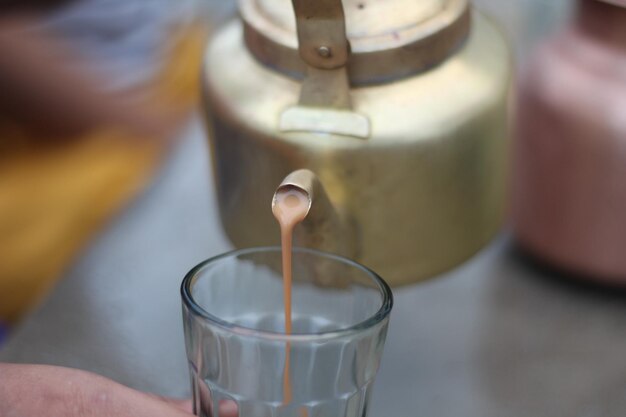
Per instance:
x=240, y=358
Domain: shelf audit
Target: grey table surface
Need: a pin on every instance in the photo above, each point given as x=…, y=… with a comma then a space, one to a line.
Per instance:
x=494, y=338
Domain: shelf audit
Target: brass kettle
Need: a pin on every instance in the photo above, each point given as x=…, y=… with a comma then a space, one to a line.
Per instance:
x=395, y=108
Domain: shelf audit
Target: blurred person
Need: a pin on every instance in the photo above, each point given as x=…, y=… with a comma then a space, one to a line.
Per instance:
x=91, y=95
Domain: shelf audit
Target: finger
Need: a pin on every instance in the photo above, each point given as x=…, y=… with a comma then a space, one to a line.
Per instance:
x=228, y=408
x=184, y=405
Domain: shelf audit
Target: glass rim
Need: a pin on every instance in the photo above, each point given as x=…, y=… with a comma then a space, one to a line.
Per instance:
x=381, y=314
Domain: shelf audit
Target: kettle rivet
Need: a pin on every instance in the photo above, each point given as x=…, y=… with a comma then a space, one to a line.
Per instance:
x=324, y=51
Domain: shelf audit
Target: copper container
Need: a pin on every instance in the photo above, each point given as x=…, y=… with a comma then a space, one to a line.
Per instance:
x=569, y=193
x=397, y=106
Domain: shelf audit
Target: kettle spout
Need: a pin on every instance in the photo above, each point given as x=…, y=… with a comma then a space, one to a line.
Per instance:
x=325, y=227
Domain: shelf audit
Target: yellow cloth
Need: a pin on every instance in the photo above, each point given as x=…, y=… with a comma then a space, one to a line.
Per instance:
x=53, y=199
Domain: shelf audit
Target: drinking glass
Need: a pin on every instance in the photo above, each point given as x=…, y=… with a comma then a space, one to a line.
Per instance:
x=240, y=357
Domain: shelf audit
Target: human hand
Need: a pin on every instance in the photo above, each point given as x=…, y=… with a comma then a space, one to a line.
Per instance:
x=37, y=390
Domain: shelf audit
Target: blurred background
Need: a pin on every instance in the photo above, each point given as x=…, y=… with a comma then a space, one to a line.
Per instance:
x=106, y=197
x=93, y=92
x=527, y=22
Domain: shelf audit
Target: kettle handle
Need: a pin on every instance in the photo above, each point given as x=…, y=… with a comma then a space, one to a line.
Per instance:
x=325, y=105
x=321, y=26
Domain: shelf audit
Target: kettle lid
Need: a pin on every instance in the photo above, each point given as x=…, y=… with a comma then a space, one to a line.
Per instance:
x=389, y=39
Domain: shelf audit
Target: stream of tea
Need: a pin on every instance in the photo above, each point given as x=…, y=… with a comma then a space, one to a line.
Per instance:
x=290, y=207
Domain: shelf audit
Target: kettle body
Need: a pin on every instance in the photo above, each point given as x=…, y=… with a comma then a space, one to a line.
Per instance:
x=568, y=197
x=420, y=194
